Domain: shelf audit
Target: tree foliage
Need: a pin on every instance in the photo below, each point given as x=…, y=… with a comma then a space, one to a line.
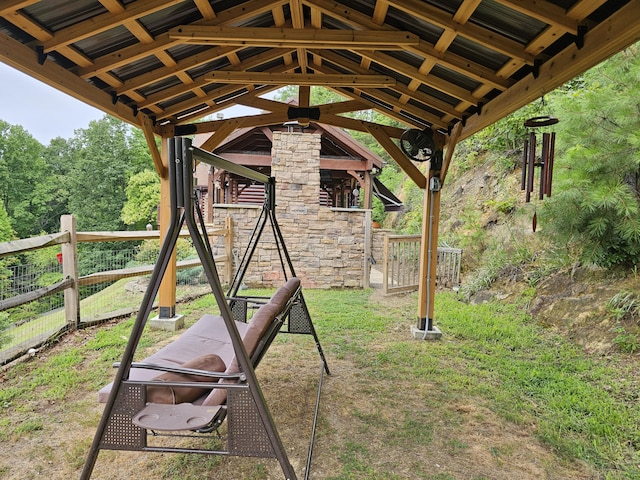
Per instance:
x=22, y=170
x=596, y=201
x=104, y=159
x=143, y=196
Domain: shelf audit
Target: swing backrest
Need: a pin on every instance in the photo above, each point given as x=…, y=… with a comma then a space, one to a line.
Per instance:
x=263, y=328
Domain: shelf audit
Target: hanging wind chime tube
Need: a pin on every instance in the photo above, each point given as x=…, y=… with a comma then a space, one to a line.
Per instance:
x=545, y=162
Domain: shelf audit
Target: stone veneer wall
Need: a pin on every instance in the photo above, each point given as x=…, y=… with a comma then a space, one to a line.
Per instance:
x=326, y=245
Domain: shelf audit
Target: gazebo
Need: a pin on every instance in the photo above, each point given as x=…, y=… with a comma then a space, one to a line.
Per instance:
x=347, y=170
x=445, y=68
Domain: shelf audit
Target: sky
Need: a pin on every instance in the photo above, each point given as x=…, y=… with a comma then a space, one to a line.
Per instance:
x=47, y=113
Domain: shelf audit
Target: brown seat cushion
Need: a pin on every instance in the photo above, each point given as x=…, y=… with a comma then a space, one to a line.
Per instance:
x=175, y=395
x=258, y=326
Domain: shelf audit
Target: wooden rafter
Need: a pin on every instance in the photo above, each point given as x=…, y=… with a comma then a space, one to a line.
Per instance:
x=329, y=80
x=603, y=41
x=423, y=78
x=292, y=37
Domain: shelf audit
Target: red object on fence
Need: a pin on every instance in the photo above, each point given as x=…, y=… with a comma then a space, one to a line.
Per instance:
x=59, y=257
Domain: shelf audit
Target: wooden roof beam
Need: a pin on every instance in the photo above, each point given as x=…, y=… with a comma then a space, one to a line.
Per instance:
x=426, y=117
x=459, y=64
x=200, y=82
x=378, y=108
x=449, y=60
x=11, y=6
x=297, y=21
x=435, y=103
x=240, y=122
x=475, y=33
x=609, y=37
x=205, y=9
x=127, y=55
x=263, y=104
x=104, y=22
x=293, y=37
x=228, y=92
x=310, y=79
x=578, y=12
x=360, y=125
x=23, y=58
x=166, y=72
x=401, y=159
x=414, y=73
x=163, y=42
x=545, y=12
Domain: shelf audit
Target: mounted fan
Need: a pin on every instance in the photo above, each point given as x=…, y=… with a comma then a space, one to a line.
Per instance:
x=417, y=144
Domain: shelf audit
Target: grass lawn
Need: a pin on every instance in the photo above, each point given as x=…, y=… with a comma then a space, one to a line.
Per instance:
x=499, y=397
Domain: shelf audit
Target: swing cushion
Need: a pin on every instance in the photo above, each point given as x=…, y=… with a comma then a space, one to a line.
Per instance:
x=174, y=395
x=207, y=335
x=258, y=326
x=210, y=335
x=285, y=292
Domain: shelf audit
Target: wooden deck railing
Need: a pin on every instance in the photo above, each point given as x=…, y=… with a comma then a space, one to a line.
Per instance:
x=401, y=264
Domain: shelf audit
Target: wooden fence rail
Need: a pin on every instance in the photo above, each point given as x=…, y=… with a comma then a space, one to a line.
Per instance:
x=401, y=264
x=68, y=239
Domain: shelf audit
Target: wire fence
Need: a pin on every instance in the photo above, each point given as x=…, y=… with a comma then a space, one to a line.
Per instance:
x=38, y=321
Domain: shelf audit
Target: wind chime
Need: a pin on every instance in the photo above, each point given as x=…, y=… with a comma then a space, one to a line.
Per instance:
x=544, y=160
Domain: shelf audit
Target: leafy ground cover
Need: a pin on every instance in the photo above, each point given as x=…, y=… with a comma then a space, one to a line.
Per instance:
x=499, y=397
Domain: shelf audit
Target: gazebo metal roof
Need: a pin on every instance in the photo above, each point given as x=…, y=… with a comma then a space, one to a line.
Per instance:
x=429, y=64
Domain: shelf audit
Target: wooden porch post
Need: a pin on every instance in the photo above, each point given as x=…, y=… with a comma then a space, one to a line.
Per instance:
x=428, y=258
x=167, y=292
x=429, y=251
x=70, y=270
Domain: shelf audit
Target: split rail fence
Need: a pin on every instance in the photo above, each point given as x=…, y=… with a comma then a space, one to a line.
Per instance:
x=41, y=321
x=401, y=264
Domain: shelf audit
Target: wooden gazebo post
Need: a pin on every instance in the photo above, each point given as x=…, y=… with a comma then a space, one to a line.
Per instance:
x=428, y=258
x=429, y=251
x=167, y=318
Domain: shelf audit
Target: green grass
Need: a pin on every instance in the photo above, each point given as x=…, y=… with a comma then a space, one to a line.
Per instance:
x=530, y=375
x=494, y=355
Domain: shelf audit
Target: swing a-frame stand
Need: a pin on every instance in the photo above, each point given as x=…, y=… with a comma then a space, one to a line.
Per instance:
x=131, y=422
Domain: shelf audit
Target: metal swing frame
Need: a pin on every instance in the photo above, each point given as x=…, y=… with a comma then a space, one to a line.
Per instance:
x=298, y=319
x=127, y=397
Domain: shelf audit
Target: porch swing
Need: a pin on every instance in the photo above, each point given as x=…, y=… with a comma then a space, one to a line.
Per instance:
x=208, y=374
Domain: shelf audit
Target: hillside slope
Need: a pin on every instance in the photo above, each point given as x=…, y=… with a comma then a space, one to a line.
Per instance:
x=483, y=212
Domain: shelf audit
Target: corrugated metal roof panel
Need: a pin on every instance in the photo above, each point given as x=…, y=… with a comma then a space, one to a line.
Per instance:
x=106, y=42
x=58, y=14
x=486, y=57
x=498, y=18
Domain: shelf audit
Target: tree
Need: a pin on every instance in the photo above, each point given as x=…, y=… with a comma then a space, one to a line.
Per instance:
x=55, y=187
x=6, y=234
x=596, y=200
x=22, y=168
x=143, y=196
x=106, y=155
